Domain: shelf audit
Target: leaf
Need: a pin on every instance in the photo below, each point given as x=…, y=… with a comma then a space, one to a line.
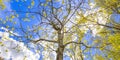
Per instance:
x=15, y=22
x=65, y=17
x=44, y=13
x=109, y=4
x=7, y=27
x=12, y=28
x=2, y=4
x=48, y=0
x=6, y=50
x=17, y=0
x=115, y=41
x=12, y=16
x=26, y=19
x=62, y=1
x=4, y=22
x=1, y=43
x=98, y=57
x=45, y=4
x=32, y=3
x=29, y=6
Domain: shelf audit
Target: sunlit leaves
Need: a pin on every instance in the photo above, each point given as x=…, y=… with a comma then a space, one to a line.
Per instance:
x=115, y=41
x=114, y=49
x=68, y=37
x=48, y=0
x=98, y=57
x=4, y=22
x=17, y=0
x=2, y=6
x=12, y=28
x=6, y=50
x=104, y=32
x=45, y=4
x=109, y=5
x=81, y=19
x=112, y=36
x=32, y=3
x=12, y=16
x=7, y=27
x=62, y=1
x=1, y=43
x=26, y=19
x=44, y=14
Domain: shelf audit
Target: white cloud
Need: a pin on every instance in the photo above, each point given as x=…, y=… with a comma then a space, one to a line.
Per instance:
x=11, y=48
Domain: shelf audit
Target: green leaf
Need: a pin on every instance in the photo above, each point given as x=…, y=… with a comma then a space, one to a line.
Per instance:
x=62, y=1
x=2, y=4
x=44, y=13
x=32, y=3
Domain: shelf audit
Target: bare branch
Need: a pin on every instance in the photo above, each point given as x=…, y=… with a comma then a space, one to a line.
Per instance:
x=85, y=44
x=109, y=26
x=36, y=41
x=73, y=13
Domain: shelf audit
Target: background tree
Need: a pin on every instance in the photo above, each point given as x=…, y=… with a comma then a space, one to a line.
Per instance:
x=112, y=27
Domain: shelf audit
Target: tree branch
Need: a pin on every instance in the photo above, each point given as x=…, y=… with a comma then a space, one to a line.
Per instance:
x=35, y=41
x=109, y=26
x=84, y=44
x=73, y=13
x=74, y=43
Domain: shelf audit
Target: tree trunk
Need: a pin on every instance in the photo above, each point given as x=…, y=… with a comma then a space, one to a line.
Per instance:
x=60, y=53
x=60, y=49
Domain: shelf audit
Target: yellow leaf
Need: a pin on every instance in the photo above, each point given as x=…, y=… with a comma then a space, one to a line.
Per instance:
x=7, y=27
x=44, y=13
x=1, y=43
x=12, y=29
x=32, y=3
x=62, y=1
x=2, y=4
x=6, y=50
x=12, y=16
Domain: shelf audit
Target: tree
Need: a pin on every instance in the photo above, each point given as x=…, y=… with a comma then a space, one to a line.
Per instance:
x=112, y=30
x=111, y=6
x=59, y=26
